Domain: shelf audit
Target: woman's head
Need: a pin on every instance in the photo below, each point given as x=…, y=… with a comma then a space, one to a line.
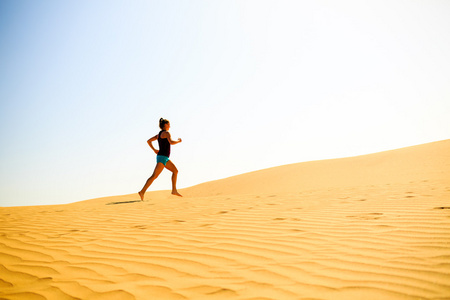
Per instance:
x=162, y=123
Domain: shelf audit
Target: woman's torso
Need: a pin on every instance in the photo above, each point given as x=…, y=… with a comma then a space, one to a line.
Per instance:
x=164, y=145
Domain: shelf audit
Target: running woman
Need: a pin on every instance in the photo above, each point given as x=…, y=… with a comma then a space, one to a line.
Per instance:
x=162, y=157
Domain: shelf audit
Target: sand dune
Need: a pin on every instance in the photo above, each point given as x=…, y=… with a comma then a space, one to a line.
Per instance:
x=428, y=161
x=368, y=227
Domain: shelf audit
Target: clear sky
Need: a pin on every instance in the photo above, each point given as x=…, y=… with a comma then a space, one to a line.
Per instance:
x=246, y=84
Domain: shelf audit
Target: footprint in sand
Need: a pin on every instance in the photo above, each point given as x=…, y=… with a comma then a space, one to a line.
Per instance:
x=140, y=226
x=223, y=292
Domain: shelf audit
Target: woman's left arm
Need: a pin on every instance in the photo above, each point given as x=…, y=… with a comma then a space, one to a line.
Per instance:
x=172, y=142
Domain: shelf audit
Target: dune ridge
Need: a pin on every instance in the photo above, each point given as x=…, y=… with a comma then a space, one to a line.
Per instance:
x=372, y=227
x=394, y=166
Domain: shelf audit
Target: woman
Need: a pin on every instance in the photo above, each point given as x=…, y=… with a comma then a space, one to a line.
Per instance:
x=162, y=157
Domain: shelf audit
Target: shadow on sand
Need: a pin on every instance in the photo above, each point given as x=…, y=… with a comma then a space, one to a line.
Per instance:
x=123, y=202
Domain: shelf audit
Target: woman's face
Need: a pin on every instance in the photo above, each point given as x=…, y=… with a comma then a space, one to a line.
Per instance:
x=167, y=126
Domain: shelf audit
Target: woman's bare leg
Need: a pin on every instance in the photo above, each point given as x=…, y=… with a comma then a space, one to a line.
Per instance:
x=171, y=167
x=158, y=169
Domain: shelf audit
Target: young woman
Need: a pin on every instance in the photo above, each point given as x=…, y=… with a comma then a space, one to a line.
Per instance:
x=162, y=157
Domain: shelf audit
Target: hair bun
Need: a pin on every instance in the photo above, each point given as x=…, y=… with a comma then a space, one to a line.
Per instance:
x=162, y=123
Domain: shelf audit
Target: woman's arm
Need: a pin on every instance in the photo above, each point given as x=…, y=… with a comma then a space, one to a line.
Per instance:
x=149, y=142
x=169, y=138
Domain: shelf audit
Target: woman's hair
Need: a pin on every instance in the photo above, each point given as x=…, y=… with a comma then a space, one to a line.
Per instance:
x=162, y=122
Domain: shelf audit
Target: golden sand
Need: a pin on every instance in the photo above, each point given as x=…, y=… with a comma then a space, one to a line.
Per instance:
x=368, y=227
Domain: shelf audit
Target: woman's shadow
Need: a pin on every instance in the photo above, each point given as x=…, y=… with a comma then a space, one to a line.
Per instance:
x=123, y=202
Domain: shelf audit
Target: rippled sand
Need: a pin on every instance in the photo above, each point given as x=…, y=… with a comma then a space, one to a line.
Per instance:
x=369, y=227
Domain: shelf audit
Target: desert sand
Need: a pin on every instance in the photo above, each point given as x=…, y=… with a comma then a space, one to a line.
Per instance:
x=368, y=227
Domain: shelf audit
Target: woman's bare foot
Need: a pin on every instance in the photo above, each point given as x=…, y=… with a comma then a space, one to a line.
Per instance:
x=176, y=193
x=142, y=196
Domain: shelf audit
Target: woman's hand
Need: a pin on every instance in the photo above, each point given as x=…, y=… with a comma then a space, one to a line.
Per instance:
x=179, y=140
x=156, y=151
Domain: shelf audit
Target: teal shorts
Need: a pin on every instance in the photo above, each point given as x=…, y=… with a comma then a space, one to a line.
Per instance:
x=162, y=159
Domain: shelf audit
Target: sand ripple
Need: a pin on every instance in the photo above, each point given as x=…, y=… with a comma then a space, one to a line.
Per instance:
x=369, y=227
x=344, y=243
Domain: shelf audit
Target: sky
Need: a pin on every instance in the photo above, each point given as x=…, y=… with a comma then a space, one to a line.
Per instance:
x=247, y=85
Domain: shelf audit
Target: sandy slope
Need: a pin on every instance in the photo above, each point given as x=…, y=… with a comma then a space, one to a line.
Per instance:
x=367, y=227
x=422, y=162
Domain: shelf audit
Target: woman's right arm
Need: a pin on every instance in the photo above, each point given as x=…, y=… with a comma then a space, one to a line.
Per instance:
x=149, y=142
